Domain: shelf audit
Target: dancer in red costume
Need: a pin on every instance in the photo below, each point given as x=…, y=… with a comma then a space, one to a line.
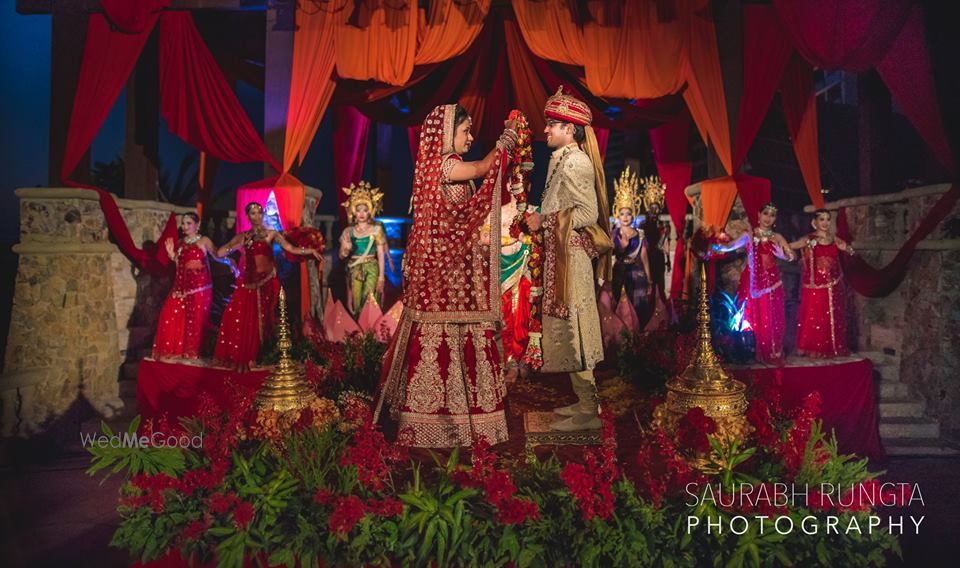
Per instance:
x=442, y=377
x=763, y=284
x=822, y=317
x=187, y=308
x=249, y=316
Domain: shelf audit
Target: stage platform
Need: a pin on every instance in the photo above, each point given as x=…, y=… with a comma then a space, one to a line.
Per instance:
x=846, y=389
x=845, y=384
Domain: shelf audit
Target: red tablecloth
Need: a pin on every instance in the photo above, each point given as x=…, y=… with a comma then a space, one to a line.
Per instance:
x=846, y=387
x=173, y=390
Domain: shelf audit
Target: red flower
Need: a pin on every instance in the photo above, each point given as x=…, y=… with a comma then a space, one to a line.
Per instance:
x=517, y=511
x=661, y=469
x=371, y=455
x=759, y=417
x=346, y=514
x=221, y=503
x=243, y=515
x=195, y=530
x=324, y=496
x=387, y=507
x=693, y=430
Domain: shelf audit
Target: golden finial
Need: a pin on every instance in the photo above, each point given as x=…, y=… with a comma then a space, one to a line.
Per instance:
x=704, y=383
x=626, y=195
x=653, y=193
x=362, y=194
x=285, y=388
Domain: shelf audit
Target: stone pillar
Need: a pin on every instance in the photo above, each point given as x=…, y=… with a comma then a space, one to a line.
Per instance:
x=78, y=305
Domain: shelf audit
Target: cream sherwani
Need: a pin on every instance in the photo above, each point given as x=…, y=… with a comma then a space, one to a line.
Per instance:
x=572, y=344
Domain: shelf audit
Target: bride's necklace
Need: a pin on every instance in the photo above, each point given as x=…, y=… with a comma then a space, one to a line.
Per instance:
x=193, y=239
x=765, y=234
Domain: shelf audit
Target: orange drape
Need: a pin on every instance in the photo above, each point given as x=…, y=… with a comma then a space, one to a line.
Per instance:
x=717, y=196
x=311, y=82
x=638, y=57
x=800, y=107
x=528, y=90
x=633, y=56
x=705, y=95
x=382, y=47
x=550, y=31
x=449, y=29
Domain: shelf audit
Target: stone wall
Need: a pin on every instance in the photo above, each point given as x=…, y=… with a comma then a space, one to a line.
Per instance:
x=80, y=308
x=919, y=322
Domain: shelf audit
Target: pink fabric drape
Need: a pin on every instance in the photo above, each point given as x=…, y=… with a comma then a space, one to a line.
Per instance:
x=766, y=50
x=349, y=150
x=198, y=104
x=288, y=191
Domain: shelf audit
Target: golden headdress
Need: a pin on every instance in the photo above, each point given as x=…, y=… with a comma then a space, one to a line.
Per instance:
x=362, y=194
x=653, y=193
x=626, y=196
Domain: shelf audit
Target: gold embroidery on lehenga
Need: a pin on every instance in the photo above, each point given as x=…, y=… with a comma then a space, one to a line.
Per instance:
x=425, y=393
x=457, y=402
x=486, y=382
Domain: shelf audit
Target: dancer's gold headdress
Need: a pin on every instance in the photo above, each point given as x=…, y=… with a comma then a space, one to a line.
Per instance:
x=653, y=193
x=362, y=194
x=626, y=195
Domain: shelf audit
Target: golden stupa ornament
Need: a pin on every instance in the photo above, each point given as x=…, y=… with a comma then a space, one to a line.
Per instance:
x=626, y=195
x=285, y=389
x=654, y=192
x=704, y=383
x=362, y=194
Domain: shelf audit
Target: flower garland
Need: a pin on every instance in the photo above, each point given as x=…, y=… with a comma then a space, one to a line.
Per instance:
x=521, y=162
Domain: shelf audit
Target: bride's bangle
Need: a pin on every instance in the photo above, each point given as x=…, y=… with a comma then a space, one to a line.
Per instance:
x=508, y=139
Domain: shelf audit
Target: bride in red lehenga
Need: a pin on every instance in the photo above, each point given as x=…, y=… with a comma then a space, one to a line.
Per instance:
x=442, y=373
x=187, y=309
x=822, y=318
x=249, y=316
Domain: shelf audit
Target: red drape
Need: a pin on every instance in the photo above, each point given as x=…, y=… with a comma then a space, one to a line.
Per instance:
x=908, y=73
x=766, y=50
x=195, y=99
x=108, y=60
x=754, y=194
x=847, y=399
x=799, y=99
x=878, y=282
x=669, y=143
x=855, y=35
x=887, y=34
x=349, y=150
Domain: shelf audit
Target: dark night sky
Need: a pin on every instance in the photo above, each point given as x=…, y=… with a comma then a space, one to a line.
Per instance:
x=25, y=68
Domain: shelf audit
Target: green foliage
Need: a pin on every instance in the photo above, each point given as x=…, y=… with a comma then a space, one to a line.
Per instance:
x=130, y=454
x=295, y=493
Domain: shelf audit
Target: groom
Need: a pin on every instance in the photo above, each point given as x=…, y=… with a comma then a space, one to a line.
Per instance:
x=573, y=218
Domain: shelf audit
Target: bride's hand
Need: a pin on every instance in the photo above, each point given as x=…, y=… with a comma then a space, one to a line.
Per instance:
x=511, y=124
